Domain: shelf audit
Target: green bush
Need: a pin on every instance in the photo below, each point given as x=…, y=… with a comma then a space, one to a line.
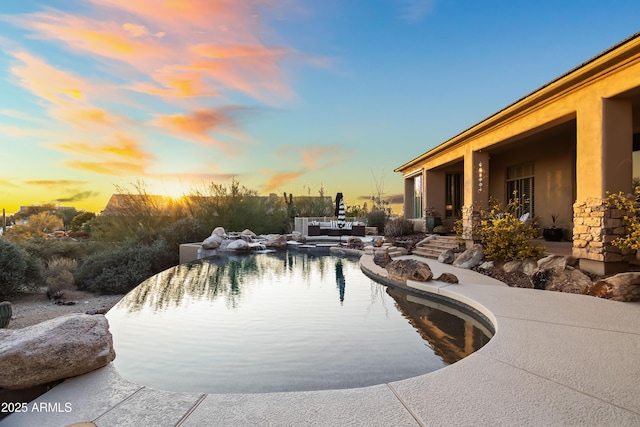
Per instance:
x=79, y=220
x=13, y=265
x=17, y=269
x=120, y=270
x=398, y=227
x=377, y=218
x=49, y=249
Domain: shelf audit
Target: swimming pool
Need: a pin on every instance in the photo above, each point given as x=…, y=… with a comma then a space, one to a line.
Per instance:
x=281, y=321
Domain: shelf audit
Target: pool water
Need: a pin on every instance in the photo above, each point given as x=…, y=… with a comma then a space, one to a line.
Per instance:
x=280, y=321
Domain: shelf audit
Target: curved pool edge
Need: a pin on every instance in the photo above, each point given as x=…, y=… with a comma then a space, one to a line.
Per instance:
x=544, y=367
x=434, y=289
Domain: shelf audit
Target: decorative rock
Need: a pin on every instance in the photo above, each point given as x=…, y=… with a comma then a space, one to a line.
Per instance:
x=409, y=269
x=555, y=262
x=447, y=278
x=568, y=280
x=621, y=287
x=298, y=236
x=212, y=242
x=59, y=348
x=219, y=231
x=487, y=265
x=529, y=266
x=247, y=232
x=447, y=257
x=275, y=241
x=511, y=266
x=237, y=245
x=471, y=257
x=381, y=258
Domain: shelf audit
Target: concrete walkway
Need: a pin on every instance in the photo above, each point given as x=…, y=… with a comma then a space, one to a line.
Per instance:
x=555, y=360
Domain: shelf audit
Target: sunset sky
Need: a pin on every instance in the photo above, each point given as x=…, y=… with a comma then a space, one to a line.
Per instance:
x=286, y=95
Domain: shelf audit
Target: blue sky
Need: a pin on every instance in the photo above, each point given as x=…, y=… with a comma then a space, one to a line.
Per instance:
x=280, y=95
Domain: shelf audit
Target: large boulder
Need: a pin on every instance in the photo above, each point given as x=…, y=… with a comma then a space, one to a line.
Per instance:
x=512, y=266
x=409, y=269
x=569, y=280
x=237, y=245
x=447, y=256
x=470, y=258
x=275, y=241
x=247, y=232
x=552, y=262
x=529, y=266
x=59, y=348
x=219, y=231
x=212, y=242
x=381, y=257
x=621, y=287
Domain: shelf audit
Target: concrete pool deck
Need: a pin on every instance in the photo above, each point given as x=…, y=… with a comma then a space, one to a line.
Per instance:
x=555, y=360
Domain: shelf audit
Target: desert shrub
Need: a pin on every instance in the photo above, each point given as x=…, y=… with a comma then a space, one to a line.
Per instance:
x=18, y=270
x=398, y=227
x=119, y=270
x=59, y=283
x=48, y=249
x=38, y=225
x=34, y=274
x=13, y=265
x=503, y=235
x=377, y=218
x=59, y=276
x=185, y=230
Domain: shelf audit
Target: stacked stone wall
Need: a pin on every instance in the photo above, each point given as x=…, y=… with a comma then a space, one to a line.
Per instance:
x=470, y=216
x=594, y=228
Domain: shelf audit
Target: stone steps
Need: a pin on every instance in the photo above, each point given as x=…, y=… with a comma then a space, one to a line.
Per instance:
x=434, y=246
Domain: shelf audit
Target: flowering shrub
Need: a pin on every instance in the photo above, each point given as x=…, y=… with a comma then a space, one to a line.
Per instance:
x=504, y=236
x=627, y=203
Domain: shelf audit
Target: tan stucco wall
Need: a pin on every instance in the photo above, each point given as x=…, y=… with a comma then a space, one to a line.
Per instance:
x=553, y=161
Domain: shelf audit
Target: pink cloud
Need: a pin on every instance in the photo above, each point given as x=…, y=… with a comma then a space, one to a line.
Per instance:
x=198, y=125
x=187, y=48
x=315, y=156
x=47, y=82
x=280, y=179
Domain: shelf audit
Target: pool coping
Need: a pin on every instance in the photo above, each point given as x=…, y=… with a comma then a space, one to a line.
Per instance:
x=555, y=359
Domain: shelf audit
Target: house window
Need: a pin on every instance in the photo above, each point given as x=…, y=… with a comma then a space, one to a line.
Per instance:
x=453, y=195
x=520, y=180
x=417, y=196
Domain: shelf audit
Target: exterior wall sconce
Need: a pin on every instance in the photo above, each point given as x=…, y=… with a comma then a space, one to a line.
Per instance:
x=480, y=177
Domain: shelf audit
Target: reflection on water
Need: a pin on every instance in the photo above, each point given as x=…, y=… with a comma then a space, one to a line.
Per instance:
x=280, y=322
x=453, y=335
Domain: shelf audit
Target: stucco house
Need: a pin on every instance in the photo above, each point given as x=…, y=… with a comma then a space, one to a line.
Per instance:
x=562, y=147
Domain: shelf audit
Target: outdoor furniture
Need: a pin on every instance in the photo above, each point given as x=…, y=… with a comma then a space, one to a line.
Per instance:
x=330, y=228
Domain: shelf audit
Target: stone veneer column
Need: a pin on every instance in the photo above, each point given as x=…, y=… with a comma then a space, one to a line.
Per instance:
x=603, y=163
x=595, y=227
x=476, y=191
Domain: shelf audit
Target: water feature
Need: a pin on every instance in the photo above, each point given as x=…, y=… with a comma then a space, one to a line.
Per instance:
x=281, y=321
